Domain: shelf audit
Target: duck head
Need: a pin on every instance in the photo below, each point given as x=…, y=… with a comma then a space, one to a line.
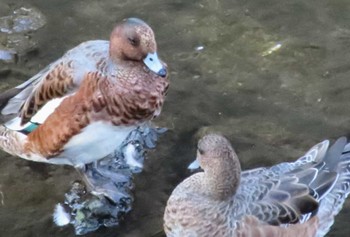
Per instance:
x=133, y=40
x=221, y=166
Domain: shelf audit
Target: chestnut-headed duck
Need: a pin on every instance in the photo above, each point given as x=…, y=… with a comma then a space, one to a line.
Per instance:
x=289, y=199
x=81, y=107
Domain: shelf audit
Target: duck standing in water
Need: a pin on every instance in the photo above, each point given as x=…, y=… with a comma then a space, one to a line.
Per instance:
x=286, y=200
x=81, y=107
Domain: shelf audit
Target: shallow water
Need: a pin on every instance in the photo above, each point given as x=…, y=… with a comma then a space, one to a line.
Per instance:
x=273, y=103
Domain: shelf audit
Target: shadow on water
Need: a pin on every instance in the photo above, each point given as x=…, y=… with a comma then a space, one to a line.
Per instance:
x=271, y=75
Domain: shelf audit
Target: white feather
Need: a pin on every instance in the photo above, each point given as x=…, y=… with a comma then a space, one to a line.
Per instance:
x=60, y=216
x=129, y=154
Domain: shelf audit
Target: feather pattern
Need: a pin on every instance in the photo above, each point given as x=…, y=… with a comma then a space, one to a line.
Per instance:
x=300, y=198
x=99, y=84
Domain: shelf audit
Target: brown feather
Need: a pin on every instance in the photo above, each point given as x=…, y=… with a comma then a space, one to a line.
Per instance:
x=66, y=121
x=54, y=85
x=99, y=99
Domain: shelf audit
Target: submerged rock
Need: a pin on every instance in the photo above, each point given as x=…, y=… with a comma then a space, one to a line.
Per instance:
x=7, y=55
x=111, y=178
x=21, y=44
x=88, y=212
x=22, y=20
x=15, y=29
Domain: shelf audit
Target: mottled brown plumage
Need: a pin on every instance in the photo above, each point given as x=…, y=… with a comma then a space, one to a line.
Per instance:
x=286, y=200
x=128, y=102
x=71, y=116
x=55, y=84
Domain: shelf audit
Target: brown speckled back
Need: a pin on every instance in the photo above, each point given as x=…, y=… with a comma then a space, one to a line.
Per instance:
x=264, y=202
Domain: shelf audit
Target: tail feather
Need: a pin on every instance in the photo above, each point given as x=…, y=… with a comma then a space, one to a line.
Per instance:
x=334, y=153
x=11, y=141
x=14, y=104
x=324, y=183
x=331, y=204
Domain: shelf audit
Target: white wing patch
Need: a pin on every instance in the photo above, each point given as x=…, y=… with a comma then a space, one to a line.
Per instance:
x=46, y=110
x=39, y=117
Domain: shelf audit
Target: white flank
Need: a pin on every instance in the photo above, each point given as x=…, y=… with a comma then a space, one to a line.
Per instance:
x=94, y=142
x=60, y=216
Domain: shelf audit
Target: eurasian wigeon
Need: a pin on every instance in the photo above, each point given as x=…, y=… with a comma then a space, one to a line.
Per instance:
x=81, y=107
x=289, y=199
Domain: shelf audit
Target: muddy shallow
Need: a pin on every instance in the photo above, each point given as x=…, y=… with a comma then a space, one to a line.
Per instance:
x=272, y=75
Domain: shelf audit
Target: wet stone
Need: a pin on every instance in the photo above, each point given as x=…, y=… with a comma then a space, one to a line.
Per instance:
x=22, y=20
x=22, y=44
x=15, y=29
x=7, y=55
x=89, y=212
x=111, y=179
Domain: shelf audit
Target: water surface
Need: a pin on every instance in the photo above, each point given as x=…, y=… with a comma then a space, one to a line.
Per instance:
x=272, y=103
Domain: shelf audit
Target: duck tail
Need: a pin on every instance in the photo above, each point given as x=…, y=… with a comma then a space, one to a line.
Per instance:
x=13, y=99
x=336, y=160
x=12, y=141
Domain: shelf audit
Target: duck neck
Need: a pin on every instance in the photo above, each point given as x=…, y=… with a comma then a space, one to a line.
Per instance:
x=120, y=66
x=222, y=185
x=120, y=61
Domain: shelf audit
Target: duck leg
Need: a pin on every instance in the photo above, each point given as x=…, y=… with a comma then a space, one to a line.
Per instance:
x=111, y=176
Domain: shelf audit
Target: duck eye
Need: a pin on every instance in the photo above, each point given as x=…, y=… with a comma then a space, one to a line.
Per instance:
x=200, y=151
x=133, y=41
